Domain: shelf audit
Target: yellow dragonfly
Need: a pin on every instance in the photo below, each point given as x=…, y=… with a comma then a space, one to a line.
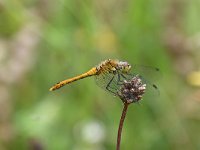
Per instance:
x=109, y=75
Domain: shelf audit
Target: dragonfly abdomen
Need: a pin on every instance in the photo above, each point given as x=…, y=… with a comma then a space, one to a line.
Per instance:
x=91, y=72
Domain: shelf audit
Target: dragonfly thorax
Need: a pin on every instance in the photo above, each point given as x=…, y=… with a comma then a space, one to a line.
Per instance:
x=113, y=66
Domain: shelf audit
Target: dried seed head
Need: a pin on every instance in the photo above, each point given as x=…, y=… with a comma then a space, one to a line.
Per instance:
x=132, y=90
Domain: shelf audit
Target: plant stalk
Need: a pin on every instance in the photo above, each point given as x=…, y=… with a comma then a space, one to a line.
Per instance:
x=123, y=116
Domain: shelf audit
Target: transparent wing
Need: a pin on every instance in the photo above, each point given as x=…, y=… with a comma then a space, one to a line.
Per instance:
x=151, y=88
x=112, y=83
x=108, y=82
x=151, y=74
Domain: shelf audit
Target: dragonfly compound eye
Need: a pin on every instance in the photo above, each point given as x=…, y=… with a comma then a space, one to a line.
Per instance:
x=124, y=66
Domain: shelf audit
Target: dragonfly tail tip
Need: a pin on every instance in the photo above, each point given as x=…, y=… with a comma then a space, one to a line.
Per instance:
x=51, y=89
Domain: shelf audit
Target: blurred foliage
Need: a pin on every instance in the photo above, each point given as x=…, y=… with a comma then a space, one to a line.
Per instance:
x=43, y=42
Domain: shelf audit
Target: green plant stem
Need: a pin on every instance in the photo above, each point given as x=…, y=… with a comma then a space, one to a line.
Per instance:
x=123, y=116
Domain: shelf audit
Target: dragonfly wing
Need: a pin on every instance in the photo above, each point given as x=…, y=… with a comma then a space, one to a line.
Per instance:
x=108, y=82
x=112, y=82
x=151, y=88
x=151, y=74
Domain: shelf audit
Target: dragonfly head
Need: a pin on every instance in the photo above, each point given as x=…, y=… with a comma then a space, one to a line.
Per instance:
x=124, y=66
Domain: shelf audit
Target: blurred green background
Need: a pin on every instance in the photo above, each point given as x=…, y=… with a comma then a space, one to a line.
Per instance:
x=43, y=42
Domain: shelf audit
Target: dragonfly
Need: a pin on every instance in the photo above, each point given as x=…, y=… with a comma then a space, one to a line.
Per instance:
x=111, y=73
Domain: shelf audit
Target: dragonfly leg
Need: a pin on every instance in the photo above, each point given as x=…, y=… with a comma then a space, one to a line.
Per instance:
x=123, y=76
x=118, y=76
x=119, y=81
x=109, y=88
